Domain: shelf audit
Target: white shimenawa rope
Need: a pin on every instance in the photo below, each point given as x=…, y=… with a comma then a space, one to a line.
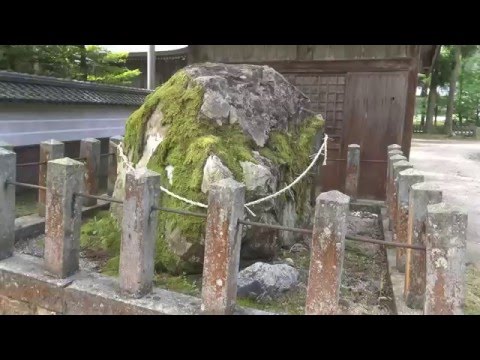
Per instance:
x=272, y=196
x=130, y=166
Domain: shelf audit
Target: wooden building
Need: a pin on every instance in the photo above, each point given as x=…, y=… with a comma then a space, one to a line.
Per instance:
x=365, y=92
x=167, y=63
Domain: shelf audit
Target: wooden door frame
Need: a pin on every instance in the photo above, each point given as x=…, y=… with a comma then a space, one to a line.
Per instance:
x=353, y=66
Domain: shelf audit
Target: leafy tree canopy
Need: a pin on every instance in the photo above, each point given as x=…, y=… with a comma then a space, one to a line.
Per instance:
x=78, y=62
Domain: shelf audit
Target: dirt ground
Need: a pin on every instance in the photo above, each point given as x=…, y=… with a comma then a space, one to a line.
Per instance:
x=454, y=165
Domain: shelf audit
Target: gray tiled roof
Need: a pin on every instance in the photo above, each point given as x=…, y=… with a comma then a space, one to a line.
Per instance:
x=17, y=87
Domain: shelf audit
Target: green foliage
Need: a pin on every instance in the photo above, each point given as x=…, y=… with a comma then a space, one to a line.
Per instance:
x=101, y=233
x=292, y=151
x=468, y=91
x=467, y=97
x=180, y=284
x=78, y=62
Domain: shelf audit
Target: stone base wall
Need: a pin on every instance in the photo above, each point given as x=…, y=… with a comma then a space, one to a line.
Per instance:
x=27, y=289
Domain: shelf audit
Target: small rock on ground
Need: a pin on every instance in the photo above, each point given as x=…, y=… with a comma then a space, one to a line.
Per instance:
x=264, y=281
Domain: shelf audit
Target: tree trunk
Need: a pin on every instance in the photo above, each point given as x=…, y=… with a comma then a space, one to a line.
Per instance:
x=431, y=102
x=436, y=114
x=452, y=89
x=83, y=63
x=460, y=94
x=477, y=120
x=424, y=107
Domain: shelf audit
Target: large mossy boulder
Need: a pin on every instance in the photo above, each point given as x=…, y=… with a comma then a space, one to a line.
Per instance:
x=215, y=121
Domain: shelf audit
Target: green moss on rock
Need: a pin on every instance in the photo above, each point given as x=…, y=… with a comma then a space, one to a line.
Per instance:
x=188, y=142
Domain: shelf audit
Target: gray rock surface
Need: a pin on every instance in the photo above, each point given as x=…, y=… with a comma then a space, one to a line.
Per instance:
x=259, y=98
x=265, y=281
x=214, y=171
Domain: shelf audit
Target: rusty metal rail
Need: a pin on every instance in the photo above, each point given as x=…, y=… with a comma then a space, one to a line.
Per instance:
x=362, y=161
x=32, y=164
x=347, y=237
x=25, y=185
x=104, y=198
x=276, y=227
x=107, y=154
x=46, y=162
x=180, y=212
x=382, y=242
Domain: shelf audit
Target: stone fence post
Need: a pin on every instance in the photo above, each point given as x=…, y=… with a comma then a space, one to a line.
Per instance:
x=446, y=256
x=397, y=168
x=112, y=162
x=222, y=247
x=8, y=162
x=406, y=179
x=393, y=149
x=392, y=159
x=63, y=216
x=6, y=145
x=139, y=232
x=90, y=150
x=421, y=195
x=353, y=171
x=327, y=252
x=49, y=150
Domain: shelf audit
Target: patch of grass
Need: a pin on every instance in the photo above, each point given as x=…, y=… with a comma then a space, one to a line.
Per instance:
x=181, y=284
x=102, y=233
x=472, y=303
x=26, y=203
x=292, y=303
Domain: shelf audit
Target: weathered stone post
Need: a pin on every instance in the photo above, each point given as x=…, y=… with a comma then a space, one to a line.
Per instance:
x=112, y=162
x=6, y=145
x=406, y=179
x=8, y=162
x=393, y=149
x=63, y=216
x=353, y=171
x=139, y=232
x=420, y=196
x=392, y=159
x=327, y=250
x=397, y=168
x=222, y=247
x=446, y=255
x=90, y=150
x=49, y=150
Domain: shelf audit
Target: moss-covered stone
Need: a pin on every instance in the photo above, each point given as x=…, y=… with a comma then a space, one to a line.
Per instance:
x=189, y=140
